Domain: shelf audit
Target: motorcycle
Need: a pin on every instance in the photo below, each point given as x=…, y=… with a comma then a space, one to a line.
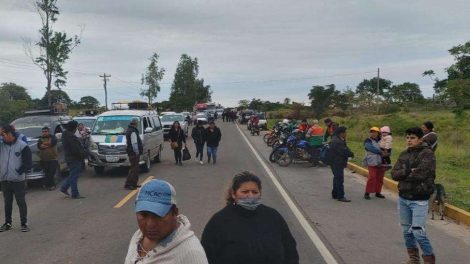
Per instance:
x=295, y=150
x=255, y=130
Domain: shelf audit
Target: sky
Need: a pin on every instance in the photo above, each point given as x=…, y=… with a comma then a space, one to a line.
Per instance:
x=246, y=49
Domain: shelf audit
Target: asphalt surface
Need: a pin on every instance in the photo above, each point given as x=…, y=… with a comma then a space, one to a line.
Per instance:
x=91, y=230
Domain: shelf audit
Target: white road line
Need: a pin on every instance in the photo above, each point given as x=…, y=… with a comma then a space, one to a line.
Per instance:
x=326, y=254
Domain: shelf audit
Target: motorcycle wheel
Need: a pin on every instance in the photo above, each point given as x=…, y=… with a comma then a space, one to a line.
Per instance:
x=266, y=137
x=271, y=141
x=274, y=156
x=284, y=160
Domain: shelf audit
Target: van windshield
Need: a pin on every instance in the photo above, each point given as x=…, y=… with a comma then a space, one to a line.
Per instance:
x=112, y=125
x=172, y=118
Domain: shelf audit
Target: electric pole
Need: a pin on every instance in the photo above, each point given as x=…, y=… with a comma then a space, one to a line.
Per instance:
x=378, y=89
x=105, y=80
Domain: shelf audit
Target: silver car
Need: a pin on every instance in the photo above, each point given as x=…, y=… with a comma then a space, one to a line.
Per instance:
x=168, y=120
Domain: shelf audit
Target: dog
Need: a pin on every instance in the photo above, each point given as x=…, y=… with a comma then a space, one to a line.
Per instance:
x=438, y=198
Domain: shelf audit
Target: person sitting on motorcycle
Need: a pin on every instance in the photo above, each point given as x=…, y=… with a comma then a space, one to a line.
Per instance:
x=254, y=122
x=303, y=126
x=314, y=137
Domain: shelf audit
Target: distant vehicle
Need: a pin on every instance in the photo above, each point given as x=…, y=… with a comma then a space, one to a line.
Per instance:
x=244, y=116
x=168, y=120
x=108, y=140
x=87, y=121
x=201, y=117
x=31, y=125
x=167, y=113
x=263, y=122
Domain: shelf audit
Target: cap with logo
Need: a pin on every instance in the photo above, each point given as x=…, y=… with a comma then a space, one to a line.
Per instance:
x=156, y=196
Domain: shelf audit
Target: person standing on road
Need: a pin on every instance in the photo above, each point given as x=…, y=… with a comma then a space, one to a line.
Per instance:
x=213, y=136
x=246, y=231
x=199, y=136
x=15, y=160
x=430, y=137
x=314, y=136
x=373, y=161
x=177, y=138
x=134, y=149
x=330, y=129
x=415, y=171
x=338, y=156
x=74, y=155
x=47, y=145
x=164, y=236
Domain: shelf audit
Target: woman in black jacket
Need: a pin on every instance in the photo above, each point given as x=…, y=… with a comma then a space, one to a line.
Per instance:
x=246, y=231
x=177, y=138
x=199, y=136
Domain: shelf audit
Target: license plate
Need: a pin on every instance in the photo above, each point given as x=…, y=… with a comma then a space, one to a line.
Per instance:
x=112, y=158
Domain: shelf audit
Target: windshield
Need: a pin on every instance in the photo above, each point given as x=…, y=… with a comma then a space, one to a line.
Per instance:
x=172, y=118
x=31, y=126
x=112, y=125
x=86, y=122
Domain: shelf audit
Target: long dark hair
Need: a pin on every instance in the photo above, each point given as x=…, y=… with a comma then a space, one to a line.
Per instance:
x=237, y=181
x=174, y=125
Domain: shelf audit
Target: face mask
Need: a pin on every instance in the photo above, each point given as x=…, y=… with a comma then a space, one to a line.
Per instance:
x=249, y=203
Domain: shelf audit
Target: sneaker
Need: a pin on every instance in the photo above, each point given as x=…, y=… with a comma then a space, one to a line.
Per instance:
x=367, y=196
x=5, y=227
x=66, y=192
x=344, y=200
x=201, y=162
x=379, y=195
x=25, y=228
x=78, y=197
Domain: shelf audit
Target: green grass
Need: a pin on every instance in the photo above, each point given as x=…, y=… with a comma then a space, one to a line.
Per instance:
x=452, y=155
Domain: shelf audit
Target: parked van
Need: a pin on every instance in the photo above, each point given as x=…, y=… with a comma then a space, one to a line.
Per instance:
x=108, y=139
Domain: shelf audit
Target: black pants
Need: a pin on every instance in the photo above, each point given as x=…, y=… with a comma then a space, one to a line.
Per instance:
x=49, y=167
x=133, y=175
x=199, y=150
x=314, y=152
x=178, y=155
x=338, y=180
x=18, y=190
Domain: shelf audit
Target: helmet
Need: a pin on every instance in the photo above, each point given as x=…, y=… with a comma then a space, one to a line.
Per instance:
x=385, y=129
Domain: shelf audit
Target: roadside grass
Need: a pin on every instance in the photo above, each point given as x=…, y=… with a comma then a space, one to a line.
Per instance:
x=452, y=155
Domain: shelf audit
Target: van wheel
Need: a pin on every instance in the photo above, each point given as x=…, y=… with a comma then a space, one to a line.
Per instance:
x=147, y=164
x=157, y=158
x=99, y=169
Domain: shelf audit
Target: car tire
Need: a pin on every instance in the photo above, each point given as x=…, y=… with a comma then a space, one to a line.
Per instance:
x=99, y=170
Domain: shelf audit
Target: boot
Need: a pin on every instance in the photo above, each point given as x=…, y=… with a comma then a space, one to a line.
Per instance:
x=429, y=259
x=413, y=253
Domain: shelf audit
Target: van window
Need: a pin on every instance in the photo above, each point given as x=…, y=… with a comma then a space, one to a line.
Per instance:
x=112, y=125
x=146, y=123
x=156, y=121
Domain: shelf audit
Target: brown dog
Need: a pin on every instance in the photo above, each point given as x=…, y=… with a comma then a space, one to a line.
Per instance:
x=438, y=198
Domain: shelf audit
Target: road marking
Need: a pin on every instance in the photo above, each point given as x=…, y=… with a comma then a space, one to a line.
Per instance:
x=131, y=194
x=325, y=253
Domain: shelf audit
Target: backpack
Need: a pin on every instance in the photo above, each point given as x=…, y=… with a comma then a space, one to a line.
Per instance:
x=324, y=154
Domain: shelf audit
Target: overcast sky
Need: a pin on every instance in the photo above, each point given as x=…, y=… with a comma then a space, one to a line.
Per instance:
x=264, y=49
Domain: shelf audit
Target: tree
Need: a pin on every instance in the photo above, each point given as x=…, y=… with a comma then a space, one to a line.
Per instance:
x=152, y=78
x=406, y=92
x=55, y=96
x=14, y=92
x=243, y=103
x=186, y=88
x=287, y=100
x=54, y=47
x=370, y=86
x=89, y=102
x=321, y=98
x=343, y=100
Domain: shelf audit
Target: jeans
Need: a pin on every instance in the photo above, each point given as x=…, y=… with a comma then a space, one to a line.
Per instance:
x=49, y=167
x=72, y=180
x=199, y=150
x=338, y=180
x=17, y=189
x=212, y=152
x=413, y=215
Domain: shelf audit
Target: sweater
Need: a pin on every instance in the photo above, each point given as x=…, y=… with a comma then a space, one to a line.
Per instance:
x=15, y=160
x=339, y=152
x=183, y=248
x=235, y=235
x=213, y=137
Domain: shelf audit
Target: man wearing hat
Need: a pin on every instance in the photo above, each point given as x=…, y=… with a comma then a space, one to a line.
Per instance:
x=213, y=136
x=74, y=155
x=134, y=149
x=338, y=156
x=164, y=235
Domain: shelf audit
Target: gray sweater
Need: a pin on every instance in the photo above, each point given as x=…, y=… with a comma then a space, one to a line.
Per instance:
x=15, y=160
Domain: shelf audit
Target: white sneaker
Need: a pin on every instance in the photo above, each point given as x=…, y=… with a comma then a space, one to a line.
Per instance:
x=200, y=162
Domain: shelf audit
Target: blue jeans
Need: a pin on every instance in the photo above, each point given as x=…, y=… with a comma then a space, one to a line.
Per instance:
x=413, y=215
x=212, y=152
x=71, y=181
x=338, y=180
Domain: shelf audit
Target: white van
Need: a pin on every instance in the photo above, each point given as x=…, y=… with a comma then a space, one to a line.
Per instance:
x=108, y=139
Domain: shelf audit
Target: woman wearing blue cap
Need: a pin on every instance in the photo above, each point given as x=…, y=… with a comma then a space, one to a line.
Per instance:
x=246, y=231
x=164, y=235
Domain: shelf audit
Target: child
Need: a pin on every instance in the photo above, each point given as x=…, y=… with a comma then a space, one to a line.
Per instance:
x=386, y=146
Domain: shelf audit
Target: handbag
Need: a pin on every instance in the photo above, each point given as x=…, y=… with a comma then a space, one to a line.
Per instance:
x=174, y=145
x=186, y=154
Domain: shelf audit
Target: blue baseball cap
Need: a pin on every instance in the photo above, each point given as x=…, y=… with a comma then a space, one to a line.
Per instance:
x=156, y=196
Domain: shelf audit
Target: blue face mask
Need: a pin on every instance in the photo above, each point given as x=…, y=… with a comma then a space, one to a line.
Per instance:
x=250, y=203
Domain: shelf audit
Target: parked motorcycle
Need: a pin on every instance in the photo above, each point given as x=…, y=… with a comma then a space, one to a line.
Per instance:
x=295, y=150
x=255, y=130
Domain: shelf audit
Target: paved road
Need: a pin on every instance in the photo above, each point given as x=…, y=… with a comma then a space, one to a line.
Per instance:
x=92, y=231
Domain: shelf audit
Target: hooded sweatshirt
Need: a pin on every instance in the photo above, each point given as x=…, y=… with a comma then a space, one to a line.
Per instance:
x=183, y=248
x=15, y=160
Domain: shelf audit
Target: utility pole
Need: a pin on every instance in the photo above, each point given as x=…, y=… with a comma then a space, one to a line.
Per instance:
x=105, y=80
x=378, y=89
